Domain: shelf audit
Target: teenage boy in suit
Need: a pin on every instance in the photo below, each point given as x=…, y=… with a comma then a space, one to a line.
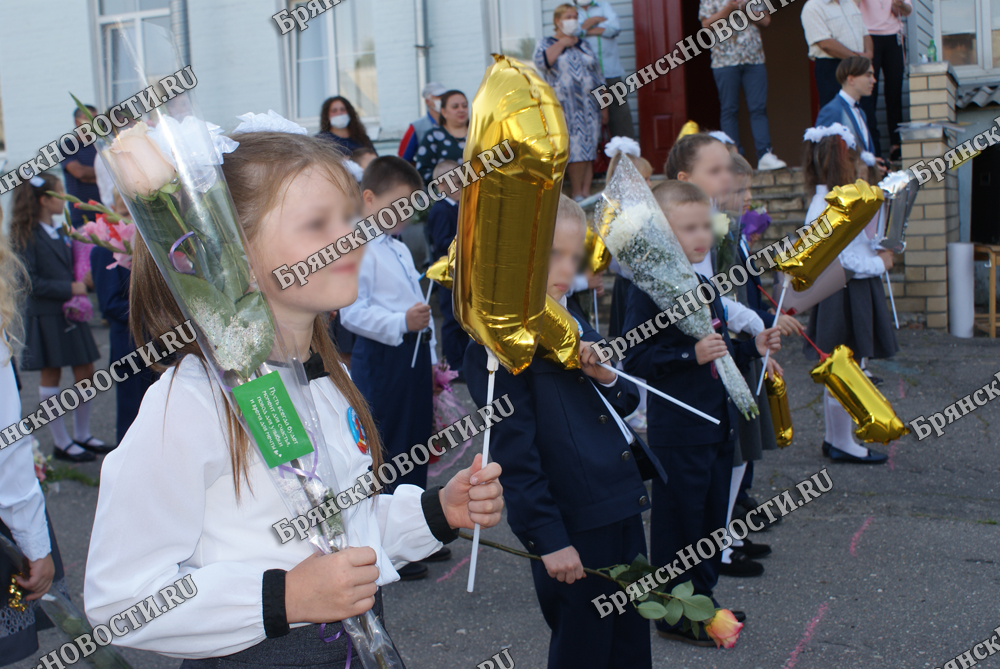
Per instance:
x=697, y=455
x=573, y=481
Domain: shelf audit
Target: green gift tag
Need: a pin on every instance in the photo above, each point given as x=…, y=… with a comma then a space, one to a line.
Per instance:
x=272, y=419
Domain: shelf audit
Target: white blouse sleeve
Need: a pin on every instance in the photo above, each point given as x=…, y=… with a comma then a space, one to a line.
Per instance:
x=860, y=258
x=406, y=536
x=149, y=521
x=22, y=506
x=740, y=318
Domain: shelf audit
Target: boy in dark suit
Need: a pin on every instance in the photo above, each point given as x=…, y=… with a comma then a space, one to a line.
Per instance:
x=442, y=226
x=572, y=480
x=697, y=455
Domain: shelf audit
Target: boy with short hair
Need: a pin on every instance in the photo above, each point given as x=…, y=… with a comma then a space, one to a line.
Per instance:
x=388, y=318
x=573, y=478
x=442, y=226
x=697, y=455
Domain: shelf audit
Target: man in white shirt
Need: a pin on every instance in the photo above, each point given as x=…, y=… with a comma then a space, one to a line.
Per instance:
x=834, y=30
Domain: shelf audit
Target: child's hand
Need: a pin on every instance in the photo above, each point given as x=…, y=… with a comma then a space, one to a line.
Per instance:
x=595, y=281
x=324, y=588
x=773, y=368
x=768, y=340
x=789, y=326
x=590, y=364
x=710, y=348
x=473, y=496
x=418, y=317
x=886, y=257
x=78, y=288
x=41, y=572
x=564, y=565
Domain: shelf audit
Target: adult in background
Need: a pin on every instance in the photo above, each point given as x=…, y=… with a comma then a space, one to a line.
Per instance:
x=415, y=134
x=739, y=62
x=884, y=23
x=834, y=30
x=339, y=123
x=446, y=142
x=600, y=26
x=79, y=174
x=571, y=67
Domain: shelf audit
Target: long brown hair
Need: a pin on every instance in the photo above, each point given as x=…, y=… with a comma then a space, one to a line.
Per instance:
x=258, y=173
x=684, y=152
x=14, y=284
x=355, y=128
x=26, y=211
x=829, y=162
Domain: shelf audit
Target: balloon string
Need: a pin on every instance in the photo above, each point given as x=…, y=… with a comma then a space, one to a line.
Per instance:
x=822, y=356
x=322, y=629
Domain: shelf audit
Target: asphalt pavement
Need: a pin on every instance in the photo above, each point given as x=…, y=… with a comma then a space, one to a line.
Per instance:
x=897, y=566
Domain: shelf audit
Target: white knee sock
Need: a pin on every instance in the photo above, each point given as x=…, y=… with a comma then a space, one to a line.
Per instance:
x=58, y=427
x=81, y=422
x=734, y=490
x=840, y=427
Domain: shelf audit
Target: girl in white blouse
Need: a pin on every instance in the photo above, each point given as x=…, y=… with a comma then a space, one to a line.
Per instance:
x=186, y=494
x=856, y=315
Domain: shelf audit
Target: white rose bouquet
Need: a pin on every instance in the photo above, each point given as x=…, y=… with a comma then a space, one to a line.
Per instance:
x=636, y=232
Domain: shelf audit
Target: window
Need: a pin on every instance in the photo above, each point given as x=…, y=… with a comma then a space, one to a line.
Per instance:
x=969, y=36
x=140, y=23
x=335, y=55
x=515, y=27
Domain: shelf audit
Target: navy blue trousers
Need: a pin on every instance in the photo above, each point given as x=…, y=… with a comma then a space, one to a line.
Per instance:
x=580, y=637
x=129, y=393
x=401, y=399
x=454, y=340
x=692, y=507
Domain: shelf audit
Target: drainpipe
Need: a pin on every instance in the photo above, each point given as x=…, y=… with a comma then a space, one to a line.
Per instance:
x=179, y=26
x=423, y=50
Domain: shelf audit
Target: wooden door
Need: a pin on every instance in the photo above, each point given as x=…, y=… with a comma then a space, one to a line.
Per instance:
x=662, y=103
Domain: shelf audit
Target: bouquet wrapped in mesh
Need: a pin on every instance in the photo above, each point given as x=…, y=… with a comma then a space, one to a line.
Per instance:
x=633, y=227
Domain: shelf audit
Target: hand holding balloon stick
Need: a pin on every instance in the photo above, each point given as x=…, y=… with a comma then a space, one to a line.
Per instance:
x=822, y=356
x=767, y=354
x=416, y=347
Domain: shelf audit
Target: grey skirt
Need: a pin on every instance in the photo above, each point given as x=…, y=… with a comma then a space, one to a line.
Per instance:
x=302, y=647
x=53, y=341
x=856, y=316
x=757, y=435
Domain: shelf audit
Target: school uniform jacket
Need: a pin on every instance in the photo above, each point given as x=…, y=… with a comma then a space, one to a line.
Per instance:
x=838, y=110
x=566, y=464
x=50, y=266
x=668, y=362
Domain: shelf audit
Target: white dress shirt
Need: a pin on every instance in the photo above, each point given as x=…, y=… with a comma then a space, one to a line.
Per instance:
x=388, y=285
x=833, y=19
x=167, y=509
x=105, y=182
x=859, y=256
x=858, y=118
x=739, y=318
x=604, y=45
x=51, y=230
x=22, y=505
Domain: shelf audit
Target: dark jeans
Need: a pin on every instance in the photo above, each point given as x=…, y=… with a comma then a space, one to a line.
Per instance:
x=619, y=116
x=888, y=58
x=826, y=79
x=753, y=79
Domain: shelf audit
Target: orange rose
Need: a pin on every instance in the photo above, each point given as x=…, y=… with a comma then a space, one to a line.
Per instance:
x=138, y=163
x=723, y=628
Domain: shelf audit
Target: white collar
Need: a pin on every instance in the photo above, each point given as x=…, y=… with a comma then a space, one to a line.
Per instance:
x=450, y=201
x=51, y=230
x=850, y=101
x=562, y=301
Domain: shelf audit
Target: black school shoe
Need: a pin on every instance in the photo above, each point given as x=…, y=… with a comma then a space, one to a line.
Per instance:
x=740, y=567
x=440, y=556
x=752, y=550
x=99, y=449
x=83, y=456
x=414, y=571
x=873, y=457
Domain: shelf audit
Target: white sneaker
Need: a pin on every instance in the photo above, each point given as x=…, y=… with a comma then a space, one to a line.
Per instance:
x=769, y=161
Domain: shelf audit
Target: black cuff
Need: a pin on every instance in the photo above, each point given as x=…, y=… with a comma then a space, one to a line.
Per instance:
x=430, y=502
x=273, y=603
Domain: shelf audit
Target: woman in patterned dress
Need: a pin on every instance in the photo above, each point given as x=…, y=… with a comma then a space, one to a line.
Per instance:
x=571, y=67
x=448, y=141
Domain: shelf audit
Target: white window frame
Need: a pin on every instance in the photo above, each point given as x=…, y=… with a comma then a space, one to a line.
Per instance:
x=491, y=10
x=324, y=22
x=984, y=45
x=101, y=25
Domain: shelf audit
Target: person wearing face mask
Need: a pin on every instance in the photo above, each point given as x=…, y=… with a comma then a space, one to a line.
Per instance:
x=599, y=27
x=572, y=68
x=446, y=142
x=415, y=134
x=339, y=124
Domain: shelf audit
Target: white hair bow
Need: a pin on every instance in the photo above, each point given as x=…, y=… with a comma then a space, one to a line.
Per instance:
x=819, y=132
x=272, y=121
x=625, y=145
x=356, y=171
x=868, y=158
x=722, y=137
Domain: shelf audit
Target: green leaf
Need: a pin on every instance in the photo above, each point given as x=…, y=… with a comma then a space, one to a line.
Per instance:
x=639, y=561
x=617, y=570
x=698, y=607
x=674, y=612
x=684, y=590
x=651, y=610
x=234, y=271
x=83, y=108
x=205, y=300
